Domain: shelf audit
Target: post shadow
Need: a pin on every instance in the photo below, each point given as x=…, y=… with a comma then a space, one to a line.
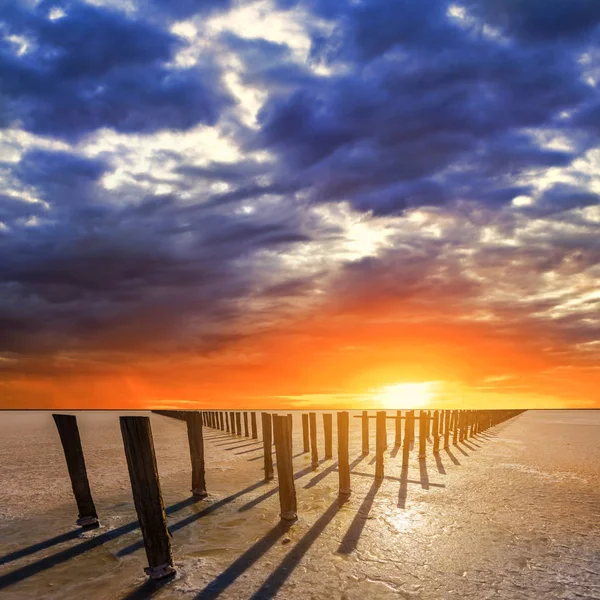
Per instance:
x=460, y=449
x=147, y=589
x=424, y=474
x=403, y=490
x=248, y=451
x=352, y=535
x=452, y=457
x=439, y=464
x=271, y=492
x=239, y=566
x=62, y=556
x=278, y=577
x=207, y=510
x=395, y=451
x=317, y=478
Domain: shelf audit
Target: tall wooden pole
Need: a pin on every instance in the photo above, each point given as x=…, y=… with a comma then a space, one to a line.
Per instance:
x=455, y=430
x=226, y=422
x=447, y=429
x=232, y=421
x=411, y=430
x=312, y=418
x=147, y=497
x=365, y=432
x=285, y=469
x=422, y=434
x=379, y=444
x=406, y=447
x=328, y=432
x=71, y=443
x=238, y=423
x=253, y=426
x=343, y=427
x=267, y=443
x=196, y=442
x=398, y=432
x=305, y=438
x=436, y=436
x=246, y=431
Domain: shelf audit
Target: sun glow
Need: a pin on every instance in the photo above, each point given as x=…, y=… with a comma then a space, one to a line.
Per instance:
x=407, y=395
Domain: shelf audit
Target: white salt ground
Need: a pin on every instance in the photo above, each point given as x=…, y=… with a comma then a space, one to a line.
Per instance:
x=513, y=513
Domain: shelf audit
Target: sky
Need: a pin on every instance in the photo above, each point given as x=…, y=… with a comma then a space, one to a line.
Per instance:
x=299, y=203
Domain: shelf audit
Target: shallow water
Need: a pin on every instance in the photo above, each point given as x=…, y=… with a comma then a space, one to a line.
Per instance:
x=513, y=513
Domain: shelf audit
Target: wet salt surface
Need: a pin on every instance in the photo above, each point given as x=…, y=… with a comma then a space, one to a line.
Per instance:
x=512, y=513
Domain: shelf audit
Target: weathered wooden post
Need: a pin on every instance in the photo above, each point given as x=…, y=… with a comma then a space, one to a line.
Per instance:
x=305, y=438
x=232, y=421
x=406, y=447
x=71, y=443
x=379, y=443
x=455, y=430
x=246, y=431
x=312, y=418
x=285, y=468
x=147, y=497
x=447, y=430
x=196, y=442
x=462, y=419
x=422, y=434
x=343, y=428
x=411, y=431
x=267, y=444
x=398, y=432
x=365, y=432
x=328, y=432
x=238, y=423
x=226, y=422
x=253, y=426
x=436, y=436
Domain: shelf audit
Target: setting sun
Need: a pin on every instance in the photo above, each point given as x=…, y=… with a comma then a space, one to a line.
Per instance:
x=399, y=395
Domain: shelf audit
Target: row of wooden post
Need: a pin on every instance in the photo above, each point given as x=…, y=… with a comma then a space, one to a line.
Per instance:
x=277, y=429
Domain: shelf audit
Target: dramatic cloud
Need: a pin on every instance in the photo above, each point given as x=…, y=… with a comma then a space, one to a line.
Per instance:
x=322, y=196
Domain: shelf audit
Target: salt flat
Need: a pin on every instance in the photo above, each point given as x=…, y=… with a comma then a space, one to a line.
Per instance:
x=512, y=513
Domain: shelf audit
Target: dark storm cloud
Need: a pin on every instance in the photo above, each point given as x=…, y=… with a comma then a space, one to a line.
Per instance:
x=420, y=98
x=411, y=108
x=94, y=273
x=95, y=67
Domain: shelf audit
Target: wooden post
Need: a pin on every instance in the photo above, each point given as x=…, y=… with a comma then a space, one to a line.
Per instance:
x=312, y=418
x=238, y=423
x=266, y=433
x=447, y=429
x=422, y=434
x=406, y=447
x=285, y=469
x=379, y=444
x=232, y=421
x=246, y=431
x=226, y=422
x=412, y=426
x=196, y=442
x=253, y=426
x=398, y=423
x=455, y=430
x=71, y=443
x=328, y=431
x=147, y=497
x=436, y=434
x=365, y=432
x=343, y=428
x=305, y=438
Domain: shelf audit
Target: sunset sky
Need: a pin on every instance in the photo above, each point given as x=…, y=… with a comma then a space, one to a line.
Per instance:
x=313, y=203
